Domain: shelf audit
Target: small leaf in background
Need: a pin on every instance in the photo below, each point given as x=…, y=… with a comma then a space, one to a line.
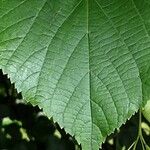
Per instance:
x=146, y=110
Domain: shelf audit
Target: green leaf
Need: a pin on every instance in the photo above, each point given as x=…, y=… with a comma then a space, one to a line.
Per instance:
x=146, y=111
x=82, y=61
x=143, y=9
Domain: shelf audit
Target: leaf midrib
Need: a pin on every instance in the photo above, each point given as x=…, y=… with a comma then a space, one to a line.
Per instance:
x=89, y=71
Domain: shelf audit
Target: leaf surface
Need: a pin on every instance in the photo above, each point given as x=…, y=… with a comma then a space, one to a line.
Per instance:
x=82, y=61
x=143, y=8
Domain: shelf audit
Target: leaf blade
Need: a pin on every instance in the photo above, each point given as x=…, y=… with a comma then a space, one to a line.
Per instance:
x=77, y=61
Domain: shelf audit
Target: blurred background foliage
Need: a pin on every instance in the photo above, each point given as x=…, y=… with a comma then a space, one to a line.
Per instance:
x=24, y=127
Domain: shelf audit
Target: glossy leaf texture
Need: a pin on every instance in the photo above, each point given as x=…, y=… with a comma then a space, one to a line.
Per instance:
x=85, y=62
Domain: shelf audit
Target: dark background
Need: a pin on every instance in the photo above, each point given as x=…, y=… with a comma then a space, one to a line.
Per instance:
x=24, y=127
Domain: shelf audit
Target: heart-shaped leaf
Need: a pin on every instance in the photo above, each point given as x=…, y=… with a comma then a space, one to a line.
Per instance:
x=82, y=61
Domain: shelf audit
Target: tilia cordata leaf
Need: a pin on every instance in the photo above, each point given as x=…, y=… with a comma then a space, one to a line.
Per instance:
x=85, y=62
